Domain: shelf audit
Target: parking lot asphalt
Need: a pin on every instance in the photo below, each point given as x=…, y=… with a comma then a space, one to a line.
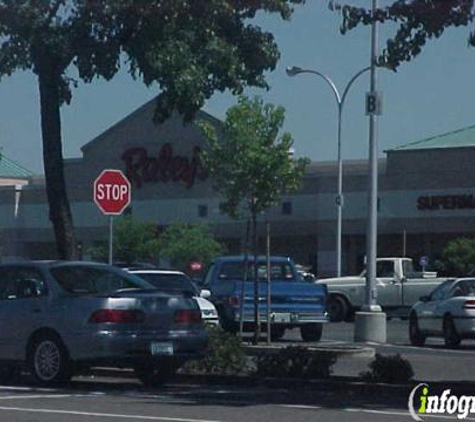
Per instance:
x=101, y=398
x=124, y=400
x=433, y=362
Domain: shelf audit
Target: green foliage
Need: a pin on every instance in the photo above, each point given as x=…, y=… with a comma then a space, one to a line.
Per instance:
x=249, y=162
x=133, y=242
x=296, y=362
x=224, y=355
x=250, y=165
x=182, y=244
x=389, y=369
x=187, y=49
x=458, y=258
x=418, y=20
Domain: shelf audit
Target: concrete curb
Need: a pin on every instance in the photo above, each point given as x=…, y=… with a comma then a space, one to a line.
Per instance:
x=335, y=350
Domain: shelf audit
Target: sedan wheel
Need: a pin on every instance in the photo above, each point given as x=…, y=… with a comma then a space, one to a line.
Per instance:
x=417, y=338
x=49, y=361
x=337, y=309
x=451, y=337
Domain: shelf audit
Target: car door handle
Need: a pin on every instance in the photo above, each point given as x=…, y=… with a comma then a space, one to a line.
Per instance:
x=37, y=311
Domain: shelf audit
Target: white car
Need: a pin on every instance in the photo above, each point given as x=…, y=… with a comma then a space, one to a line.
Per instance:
x=448, y=312
x=177, y=282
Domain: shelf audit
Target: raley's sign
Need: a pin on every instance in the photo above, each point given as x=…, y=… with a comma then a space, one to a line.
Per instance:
x=445, y=202
x=142, y=168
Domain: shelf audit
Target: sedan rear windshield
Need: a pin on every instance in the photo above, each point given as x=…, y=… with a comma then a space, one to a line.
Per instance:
x=90, y=279
x=237, y=270
x=170, y=283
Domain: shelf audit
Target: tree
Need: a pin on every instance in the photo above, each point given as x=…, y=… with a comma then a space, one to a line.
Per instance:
x=458, y=258
x=251, y=166
x=132, y=242
x=419, y=20
x=190, y=48
x=183, y=244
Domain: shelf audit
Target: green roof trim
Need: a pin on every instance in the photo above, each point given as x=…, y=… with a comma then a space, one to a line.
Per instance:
x=8, y=168
x=461, y=138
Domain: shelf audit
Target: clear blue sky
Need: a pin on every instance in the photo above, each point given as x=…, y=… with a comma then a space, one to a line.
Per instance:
x=431, y=95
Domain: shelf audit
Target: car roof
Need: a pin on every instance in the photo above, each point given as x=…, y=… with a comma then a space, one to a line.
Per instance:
x=153, y=271
x=239, y=258
x=52, y=263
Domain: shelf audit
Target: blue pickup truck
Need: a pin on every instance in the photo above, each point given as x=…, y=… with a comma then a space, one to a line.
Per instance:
x=294, y=302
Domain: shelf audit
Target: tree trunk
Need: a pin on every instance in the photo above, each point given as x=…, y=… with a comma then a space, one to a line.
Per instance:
x=59, y=210
x=257, y=319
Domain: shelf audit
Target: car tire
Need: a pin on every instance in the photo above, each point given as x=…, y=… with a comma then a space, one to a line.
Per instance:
x=311, y=332
x=48, y=361
x=156, y=374
x=226, y=324
x=415, y=336
x=337, y=309
x=276, y=333
x=451, y=337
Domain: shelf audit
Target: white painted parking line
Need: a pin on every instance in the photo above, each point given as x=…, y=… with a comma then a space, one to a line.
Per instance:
x=37, y=396
x=397, y=413
x=103, y=415
x=35, y=389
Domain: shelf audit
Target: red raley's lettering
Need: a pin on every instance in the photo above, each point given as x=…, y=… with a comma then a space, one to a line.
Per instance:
x=141, y=168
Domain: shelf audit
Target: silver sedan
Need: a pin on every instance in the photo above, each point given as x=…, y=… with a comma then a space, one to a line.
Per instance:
x=448, y=312
x=58, y=317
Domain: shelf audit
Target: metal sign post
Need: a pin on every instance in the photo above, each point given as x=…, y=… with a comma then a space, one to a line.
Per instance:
x=111, y=240
x=269, y=328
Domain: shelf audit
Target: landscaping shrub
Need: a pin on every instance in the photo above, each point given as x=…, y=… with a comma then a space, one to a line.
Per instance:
x=296, y=362
x=389, y=369
x=224, y=356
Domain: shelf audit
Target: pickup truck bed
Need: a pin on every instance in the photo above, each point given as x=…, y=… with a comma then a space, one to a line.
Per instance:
x=294, y=303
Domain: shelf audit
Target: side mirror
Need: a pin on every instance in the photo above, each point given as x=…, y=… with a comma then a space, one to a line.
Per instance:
x=424, y=298
x=205, y=294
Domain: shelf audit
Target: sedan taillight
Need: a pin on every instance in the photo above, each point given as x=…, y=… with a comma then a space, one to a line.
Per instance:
x=469, y=304
x=187, y=316
x=117, y=316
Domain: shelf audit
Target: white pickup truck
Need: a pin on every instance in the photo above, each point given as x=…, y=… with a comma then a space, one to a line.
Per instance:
x=398, y=287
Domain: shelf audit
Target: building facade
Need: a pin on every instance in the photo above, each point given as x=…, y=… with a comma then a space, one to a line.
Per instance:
x=426, y=197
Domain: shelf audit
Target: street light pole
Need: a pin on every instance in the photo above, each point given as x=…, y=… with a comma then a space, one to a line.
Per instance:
x=370, y=322
x=340, y=99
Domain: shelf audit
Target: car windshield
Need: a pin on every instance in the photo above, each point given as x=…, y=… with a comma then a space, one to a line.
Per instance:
x=169, y=282
x=464, y=288
x=236, y=271
x=96, y=279
x=441, y=291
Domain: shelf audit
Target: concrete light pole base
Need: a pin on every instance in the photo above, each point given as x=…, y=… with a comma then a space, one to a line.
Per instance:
x=370, y=327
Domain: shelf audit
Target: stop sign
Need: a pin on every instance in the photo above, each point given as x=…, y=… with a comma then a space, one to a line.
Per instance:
x=112, y=192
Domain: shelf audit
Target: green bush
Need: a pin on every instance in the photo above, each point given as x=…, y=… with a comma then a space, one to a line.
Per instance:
x=224, y=356
x=389, y=369
x=458, y=258
x=296, y=362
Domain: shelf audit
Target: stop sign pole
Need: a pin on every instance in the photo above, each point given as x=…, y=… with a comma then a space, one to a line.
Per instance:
x=112, y=194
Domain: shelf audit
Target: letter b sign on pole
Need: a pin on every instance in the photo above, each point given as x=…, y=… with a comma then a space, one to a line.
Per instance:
x=112, y=194
x=373, y=103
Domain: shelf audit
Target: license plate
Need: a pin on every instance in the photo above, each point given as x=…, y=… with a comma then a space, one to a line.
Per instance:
x=161, y=348
x=281, y=317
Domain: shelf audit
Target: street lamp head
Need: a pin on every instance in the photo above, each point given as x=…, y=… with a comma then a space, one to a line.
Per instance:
x=292, y=71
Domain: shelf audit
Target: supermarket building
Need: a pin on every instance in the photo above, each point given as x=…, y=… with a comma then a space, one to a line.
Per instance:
x=426, y=196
